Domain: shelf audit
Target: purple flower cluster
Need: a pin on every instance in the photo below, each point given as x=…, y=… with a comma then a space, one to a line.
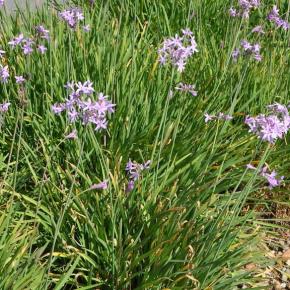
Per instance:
x=271, y=177
x=274, y=17
x=28, y=44
x=134, y=171
x=244, y=8
x=178, y=49
x=4, y=73
x=1, y=3
x=219, y=116
x=79, y=106
x=252, y=50
x=271, y=127
x=4, y=107
x=187, y=88
x=72, y=16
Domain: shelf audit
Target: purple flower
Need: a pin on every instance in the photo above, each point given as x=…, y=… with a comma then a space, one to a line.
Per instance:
x=225, y=117
x=20, y=79
x=250, y=166
x=42, y=49
x=1, y=3
x=272, y=179
x=246, y=45
x=233, y=12
x=135, y=169
x=272, y=127
x=16, y=40
x=4, y=73
x=274, y=17
x=85, y=88
x=78, y=106
x=244, y=8
x=177, y=50
x=258, y=29
x=4, y=107
x=42, y=32
x=219, y=116
x=72, y=16
x=57, y=108
x=236, y=54
x=187, y=88
x=248, y=49
x=209, y=117
x=86, y=28
x=130, y=186
x=27, y=46
x=72, y=135
x=101, y=185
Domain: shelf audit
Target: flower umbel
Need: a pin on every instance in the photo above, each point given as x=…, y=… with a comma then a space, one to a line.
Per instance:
x=177, y=50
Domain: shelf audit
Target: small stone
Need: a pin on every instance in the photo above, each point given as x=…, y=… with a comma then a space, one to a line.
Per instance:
x=286, y=255
x=250, y=266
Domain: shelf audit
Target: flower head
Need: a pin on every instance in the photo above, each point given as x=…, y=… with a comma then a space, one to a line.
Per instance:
x=42, y=49
x=270, y=127
x=80, y=107
x=20, y=79
x=72, y=16
x=4, y=107
x=177, y=50
x=72, y=135
x=4, y=73
x=42, y=32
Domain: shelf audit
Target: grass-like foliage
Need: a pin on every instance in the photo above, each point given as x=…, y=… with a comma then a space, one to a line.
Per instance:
x=189, y=220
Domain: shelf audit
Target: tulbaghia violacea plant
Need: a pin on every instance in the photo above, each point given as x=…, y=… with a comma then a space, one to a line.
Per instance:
x=72, y=16
x=275, y=18
x=80, y=106
x=177, y=50
x=244, y=8
x=270, y=127
x=271, y=177
x=4, y=74
x=248, y=49
x=134, y=171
